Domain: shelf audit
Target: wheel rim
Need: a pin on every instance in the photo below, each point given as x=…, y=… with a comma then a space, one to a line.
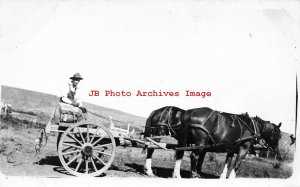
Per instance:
x=86, y=149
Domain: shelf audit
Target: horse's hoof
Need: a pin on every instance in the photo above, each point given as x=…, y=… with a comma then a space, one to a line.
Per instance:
x=223, y=176
x=176, y=176
x=232, y=175
x=193, y=175
x=149, y=173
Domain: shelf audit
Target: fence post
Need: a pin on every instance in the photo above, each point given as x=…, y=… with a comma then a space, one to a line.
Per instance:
x=111, y=123
x=128, y=127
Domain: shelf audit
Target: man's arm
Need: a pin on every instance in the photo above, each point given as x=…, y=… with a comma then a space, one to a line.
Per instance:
x=64, y=95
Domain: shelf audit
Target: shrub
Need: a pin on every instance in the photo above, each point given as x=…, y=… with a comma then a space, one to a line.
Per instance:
x=2, y=148
x=212, y=157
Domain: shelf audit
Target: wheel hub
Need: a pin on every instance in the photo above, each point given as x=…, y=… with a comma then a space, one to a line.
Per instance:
x=87, y=149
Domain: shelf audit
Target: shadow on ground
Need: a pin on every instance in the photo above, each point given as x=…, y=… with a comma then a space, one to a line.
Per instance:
x=49, y=160
x=158, y=172
x=167, y=172
x=54, y=161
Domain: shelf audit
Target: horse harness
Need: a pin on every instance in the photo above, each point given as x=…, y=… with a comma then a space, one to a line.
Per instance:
x=168, y=125
x=202, y=127
x=256, y=135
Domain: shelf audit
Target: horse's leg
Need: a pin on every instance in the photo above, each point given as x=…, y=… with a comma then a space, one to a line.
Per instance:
x=176, y=172
x=200, y=162
x=227, y=165
x=194, y=159
x=148, y=164
x=200, y=139
x=240, y=156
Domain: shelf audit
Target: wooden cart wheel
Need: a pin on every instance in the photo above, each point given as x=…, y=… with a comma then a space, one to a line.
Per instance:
x=86, y=149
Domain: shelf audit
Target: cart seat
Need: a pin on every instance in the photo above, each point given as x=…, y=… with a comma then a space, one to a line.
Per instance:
x=68, y=113
x=68, y=109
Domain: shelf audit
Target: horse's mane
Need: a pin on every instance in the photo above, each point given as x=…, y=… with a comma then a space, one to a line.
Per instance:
x=245, y=114
x=259, y=120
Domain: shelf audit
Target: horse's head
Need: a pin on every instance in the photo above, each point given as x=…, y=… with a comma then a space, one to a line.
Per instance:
x=160, y=121
x=271, y=134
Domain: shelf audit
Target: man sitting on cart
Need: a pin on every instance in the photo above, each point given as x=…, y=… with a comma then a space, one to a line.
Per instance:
x=72, y=95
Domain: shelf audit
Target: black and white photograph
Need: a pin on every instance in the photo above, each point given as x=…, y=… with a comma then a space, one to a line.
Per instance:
x=171, y=92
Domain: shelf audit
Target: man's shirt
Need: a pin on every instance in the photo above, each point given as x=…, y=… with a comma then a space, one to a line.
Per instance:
x=71, y=95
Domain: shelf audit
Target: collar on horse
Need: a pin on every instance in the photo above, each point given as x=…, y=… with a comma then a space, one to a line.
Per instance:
x=168, y=125
x=256, y=134
x=259, y=137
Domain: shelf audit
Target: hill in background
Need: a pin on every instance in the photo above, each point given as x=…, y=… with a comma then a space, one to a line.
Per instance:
x=44, y=104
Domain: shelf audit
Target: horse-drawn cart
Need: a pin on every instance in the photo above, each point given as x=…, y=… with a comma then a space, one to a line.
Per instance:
x=87, y=148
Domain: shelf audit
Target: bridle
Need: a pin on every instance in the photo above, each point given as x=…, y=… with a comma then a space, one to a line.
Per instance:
x=263, y=143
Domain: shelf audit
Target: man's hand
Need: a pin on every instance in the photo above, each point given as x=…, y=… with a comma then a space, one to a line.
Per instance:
x=74, y=103
x=83, y=109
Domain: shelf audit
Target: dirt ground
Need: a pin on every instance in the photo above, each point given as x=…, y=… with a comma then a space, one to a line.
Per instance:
x=18, y=158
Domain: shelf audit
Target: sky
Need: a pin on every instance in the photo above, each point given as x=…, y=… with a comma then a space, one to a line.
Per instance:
x=245, y=53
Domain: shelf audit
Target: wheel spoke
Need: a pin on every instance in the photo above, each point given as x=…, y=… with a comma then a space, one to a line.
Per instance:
x=98, y=140
x=72, y=145
x=67, y=149
x=73, y=137
x=73, y=159
x=102, y=145
x=69, y=142
x=95, y=168
x=103, y=153
x=86, y=149
x=79, y=163
x=66, y=153
x=81, y=134
x=94, y=135
x=99, y=159
x=87, y=133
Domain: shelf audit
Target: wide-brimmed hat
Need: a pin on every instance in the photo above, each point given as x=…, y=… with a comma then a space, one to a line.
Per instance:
x=76, y=76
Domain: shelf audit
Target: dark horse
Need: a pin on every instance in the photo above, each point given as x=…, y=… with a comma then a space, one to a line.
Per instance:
x=165, y=121
x=213, y=131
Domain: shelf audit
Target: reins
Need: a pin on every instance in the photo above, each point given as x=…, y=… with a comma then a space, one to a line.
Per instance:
x=257, y=136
